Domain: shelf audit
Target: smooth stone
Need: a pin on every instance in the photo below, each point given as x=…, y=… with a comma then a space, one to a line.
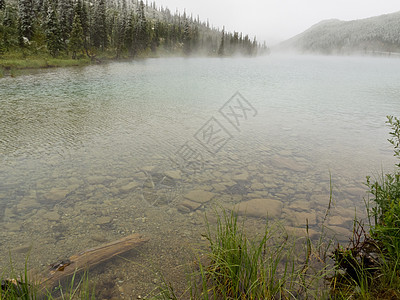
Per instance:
x=51, y=216
x=129, y=187
x=174, y=174
x=199, y=196
x=260, y=208
x=183, y=209
x=190, y=204
x=98, y=238
x=103, y=220
x=56, y=194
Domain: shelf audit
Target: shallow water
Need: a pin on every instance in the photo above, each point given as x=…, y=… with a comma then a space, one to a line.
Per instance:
x=91, y=154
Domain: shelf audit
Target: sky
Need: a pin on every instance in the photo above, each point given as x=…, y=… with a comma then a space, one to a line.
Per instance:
x=273, y=20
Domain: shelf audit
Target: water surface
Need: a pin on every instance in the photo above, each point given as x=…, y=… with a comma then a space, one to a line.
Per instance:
x=86, y=154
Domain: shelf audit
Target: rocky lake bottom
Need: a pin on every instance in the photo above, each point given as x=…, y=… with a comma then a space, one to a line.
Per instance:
x=87, y=156
x=54, y=218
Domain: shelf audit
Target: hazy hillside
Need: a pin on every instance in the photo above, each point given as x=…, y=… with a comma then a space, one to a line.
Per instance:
x=371, y=35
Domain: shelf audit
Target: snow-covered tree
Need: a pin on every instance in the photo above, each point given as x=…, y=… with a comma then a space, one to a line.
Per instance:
x=53, y=36
x=99, y=27
x=26, y=19
x=76, y=41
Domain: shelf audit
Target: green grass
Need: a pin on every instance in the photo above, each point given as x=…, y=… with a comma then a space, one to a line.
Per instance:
x=11, y=63
x=369, y=267
x=268, y=266
x=21, y=286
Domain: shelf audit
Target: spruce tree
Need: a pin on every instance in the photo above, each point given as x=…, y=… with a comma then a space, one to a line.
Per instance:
x=53, y=36
x=65, y=15
x=76, y=42
x=99, y=26
x=187, y=38
x=129, y=33
x=141, y=31
x=221, y=50
x=26, y=19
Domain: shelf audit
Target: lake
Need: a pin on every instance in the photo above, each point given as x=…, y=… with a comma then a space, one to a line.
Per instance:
x=92, y=154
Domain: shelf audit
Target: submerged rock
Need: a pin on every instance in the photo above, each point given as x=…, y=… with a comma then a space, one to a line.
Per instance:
x=188, y=206
x=103, y=220
x=260, y=208
x=199, y=196
x=177, y=175
x=51, y=216
x=129, y=187
x=56, y=194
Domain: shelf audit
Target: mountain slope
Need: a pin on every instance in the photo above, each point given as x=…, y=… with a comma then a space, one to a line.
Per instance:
x=375, y=34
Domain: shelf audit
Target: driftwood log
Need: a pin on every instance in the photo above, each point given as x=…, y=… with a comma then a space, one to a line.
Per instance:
x=61, y=270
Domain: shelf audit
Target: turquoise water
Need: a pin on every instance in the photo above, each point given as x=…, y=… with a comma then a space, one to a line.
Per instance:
x=86, y=154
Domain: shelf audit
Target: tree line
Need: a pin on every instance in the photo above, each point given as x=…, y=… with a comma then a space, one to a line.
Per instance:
x=117, y=28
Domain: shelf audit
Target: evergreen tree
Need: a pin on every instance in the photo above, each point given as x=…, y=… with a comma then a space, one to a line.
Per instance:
x=53, y=36
x=26, y=19
x=221, y=50
x=76, y=42
x=129, y=33
x=82, y=12
x=187, y=38
x=155, y=37
x=99, y=26
x=141, y=31
x=65, y=15
x=9, y=29
x=112, y=25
